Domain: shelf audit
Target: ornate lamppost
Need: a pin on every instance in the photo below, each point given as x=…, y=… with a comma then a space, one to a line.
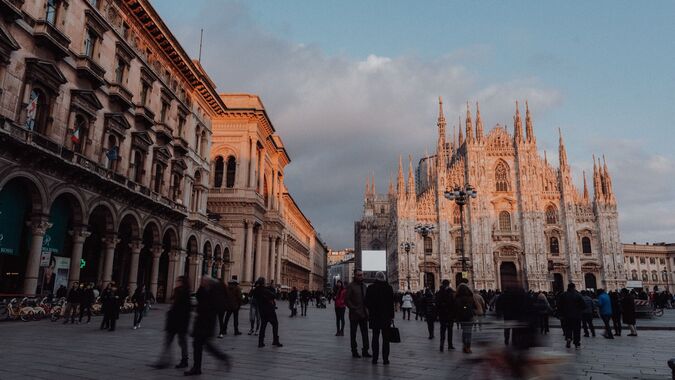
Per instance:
x=408, y=246
x=461, y=196
x=424, y=230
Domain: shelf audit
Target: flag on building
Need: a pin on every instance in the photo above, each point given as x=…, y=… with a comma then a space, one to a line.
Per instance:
x=31, y=110
x=75, y=136
x=112, y=154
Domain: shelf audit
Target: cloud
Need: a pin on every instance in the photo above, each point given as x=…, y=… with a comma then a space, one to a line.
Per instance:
x=343, y=118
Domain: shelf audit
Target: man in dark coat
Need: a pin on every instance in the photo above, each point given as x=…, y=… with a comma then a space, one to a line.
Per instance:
x=445, y=299
x=232, y=306
x=177, y=321
x=88, y=298
x=265, y=299
x=110, y=300
x=358, y=314
x=616, y=312
x=429, y=305
x=205, y=325
x=570, y=308
x=73, y=302
x=380, y=304
x=139, y=299
x=628, y=310
x=293, y=301
x=305, y=295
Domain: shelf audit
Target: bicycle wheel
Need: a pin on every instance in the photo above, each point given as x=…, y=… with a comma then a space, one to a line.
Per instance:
x=26, y=315
x=55, y=314
x=658, y=313
x=38, y=315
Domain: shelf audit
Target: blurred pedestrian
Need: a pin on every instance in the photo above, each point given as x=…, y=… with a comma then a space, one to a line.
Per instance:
x=605, y=311
x=429, y=305
x=406, y=304
x=340, y=307
x=305, y=295
x=445, y=299
x=265, y=297
x=380, y=304
x=587, y=314
x=111, y=303
x=139, y=299
x=465, y=306
x=177, y=321
x=232, y=306
x=616, y=312
x=253, y=314
x=543, y=310
x=628, y=310
x=72, y=302
x=570, y=307
x=358, y=314
x=293, y=301
x=88, y=298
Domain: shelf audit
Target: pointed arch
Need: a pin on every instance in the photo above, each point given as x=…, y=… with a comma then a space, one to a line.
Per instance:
x=551, y=214
x=502, y=176
x=504, y=221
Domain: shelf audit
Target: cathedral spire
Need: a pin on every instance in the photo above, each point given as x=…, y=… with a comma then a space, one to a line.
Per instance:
x=372, y=185
x=391, y=186
x=400, y=183
x=469, y=125
x=585, y=189
x=440, y=149
x=597, y=183
x=517, y=126
x=609, y=194
x=528, y=125
x=411, y=178
x=367, y=186
x=562, y=153
x=479, y=125
x=545, y=159
x=460, y=138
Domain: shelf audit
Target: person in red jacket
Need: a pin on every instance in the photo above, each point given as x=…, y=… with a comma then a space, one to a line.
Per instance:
x=340, y=293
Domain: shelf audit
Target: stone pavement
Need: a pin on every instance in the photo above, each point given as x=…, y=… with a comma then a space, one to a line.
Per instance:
x=46, y=350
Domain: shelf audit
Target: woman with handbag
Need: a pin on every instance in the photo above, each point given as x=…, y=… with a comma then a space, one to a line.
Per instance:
x=380, y=304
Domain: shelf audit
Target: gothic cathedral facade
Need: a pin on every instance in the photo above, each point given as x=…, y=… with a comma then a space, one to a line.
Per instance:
x=528, y=226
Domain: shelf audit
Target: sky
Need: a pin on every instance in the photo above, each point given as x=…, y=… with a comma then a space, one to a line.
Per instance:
x=351, y=85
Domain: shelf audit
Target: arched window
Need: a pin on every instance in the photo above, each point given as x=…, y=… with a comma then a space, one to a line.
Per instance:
x=218, y=176
x=79, y=134
x=551, y=215
x=633, y=275
x=458, y=245
x=645, y=277
x=138, y=167
x=231, y=171
x=504, y=221
x=655, y=277
x=37, y=111
x=266, y=191
x=50, y=15
x=554, y=245
x=502, y=177
x=175, y=187
x=664, y=276
x=586, y=245
x=428, y=245
x=159, y=178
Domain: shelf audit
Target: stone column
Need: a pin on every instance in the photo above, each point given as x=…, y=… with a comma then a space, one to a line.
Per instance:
x=154, y=279
x=78, y=236
x=174, y=272
x=248, y=260
x=261, y=262
x=136, y=246
x=258, y=255
x=196, y=269
x=109, y=243
x=273, y=191
x=277, y=275
x=270, y=257
x=219, y=270
x=253, y=165
x=209, y=266
x=261, y=173
x=38, y=229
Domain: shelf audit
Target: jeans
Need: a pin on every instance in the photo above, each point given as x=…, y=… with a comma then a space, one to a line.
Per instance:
x=227, y=319
x=467, y=328
x=430, y=327
x=138, y=316
x=363, y=325
x=385, y=344
x=264, y=320
x=198, y=345
x=572, y=328
x=165, y=356
x=340, y=319
x=254, y=317
x=303, y=307
x=71, y=311
x=108, y=322
x=446, y=325
x=587, y=323
x=608, y=330
x=616, y=321
x=86, y=307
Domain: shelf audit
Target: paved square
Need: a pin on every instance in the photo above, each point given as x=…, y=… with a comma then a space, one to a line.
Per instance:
x=46, y=350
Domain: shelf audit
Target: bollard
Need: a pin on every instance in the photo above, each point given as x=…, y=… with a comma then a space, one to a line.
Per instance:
x=671, y=364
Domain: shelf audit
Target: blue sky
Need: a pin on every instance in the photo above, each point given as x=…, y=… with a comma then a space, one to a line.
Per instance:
x=368, y=72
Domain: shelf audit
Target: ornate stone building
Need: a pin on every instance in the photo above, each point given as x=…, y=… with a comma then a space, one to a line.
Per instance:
x=105, y=130
x=529, y=224
x=273, y=238
x=652, y=264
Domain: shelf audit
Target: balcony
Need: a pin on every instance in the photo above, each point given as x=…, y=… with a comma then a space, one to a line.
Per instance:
x=120, y=95
x=49, y=36
x=145, y=116
x=90, y=70
x=11, y=9
x=506, y=235
x=164, y=132
x=180, y=146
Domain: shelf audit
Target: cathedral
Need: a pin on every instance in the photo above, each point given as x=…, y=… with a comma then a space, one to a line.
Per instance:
x=528, y=226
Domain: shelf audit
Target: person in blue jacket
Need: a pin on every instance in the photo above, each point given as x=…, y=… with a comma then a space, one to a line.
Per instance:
x=605, y=312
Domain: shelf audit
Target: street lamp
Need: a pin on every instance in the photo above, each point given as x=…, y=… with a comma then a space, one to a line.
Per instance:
x=461, y=196
x=424, y=230
x=408, y=246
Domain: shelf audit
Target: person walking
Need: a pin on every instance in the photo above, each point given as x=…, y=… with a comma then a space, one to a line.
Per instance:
x=406, y=304
x=570, y=306
x=293, y=301
x=465, y=306
x=340, y=307
x=139, y=299
x=111, y=307
x=177, y=321
x=265, y=298
x=72, y=302
x=480, y=311
x=429, y=307
x=605, y=311
x=616, y=312
x=380, y=304
x=88, y=298
x=628, y=310
x=358, y=314
x=208, y=298
x=253, y=314
x=305, y=295
x=232, y=306
x=543, y=309
x=587, y=314
x=445, y=299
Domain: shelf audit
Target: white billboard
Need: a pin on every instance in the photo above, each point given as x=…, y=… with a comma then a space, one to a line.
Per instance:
x=374, y=261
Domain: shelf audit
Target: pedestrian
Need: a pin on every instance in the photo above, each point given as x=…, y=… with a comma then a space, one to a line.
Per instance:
x=265, y=298
x=481, y=308
x=358, y=314
x=72, y=302
x=445, y=299
x=616, y=312
x=587, y=314
x=406, y=304
x=628, y=311
x=340, y=307
x=305, y=295
x=253, y=314
x=380, y=304
x=88, y=298
x=570, y=306
x=221, y=313
x=177, y=321
x=111, y=307
x=232, y=306
x=139, y=299
x=205, y=324
x=61, y=292
x=543, y=309
x=465, y=306
x=292, y=301
x=605, y=311
x=429, y=307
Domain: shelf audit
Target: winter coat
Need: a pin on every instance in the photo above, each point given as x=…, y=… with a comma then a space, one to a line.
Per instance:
x=445, y=300
x=111, y=304
x=305, y=296
x=605, y=304
x=264, y=298
x=74, y=295
x=541, y=305
x=233, y=297
x=292, y=298
x=628, y=309
x=355, y=300
x=616, y=305
x=570, y=305
x=429, y=306
x=88, y=297
x=205, y=321
x=139, y=298
x=512, y=304
x=480, y=304
x=588, y=308
x=380, y=303
x=178, y=317
x=464, y=308
x=407, y=302
x=340, y=297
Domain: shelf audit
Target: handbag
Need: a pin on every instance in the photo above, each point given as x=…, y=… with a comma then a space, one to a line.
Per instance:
x=394, y=334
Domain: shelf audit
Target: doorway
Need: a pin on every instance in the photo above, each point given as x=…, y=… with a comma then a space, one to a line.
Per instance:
x=508, y=275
